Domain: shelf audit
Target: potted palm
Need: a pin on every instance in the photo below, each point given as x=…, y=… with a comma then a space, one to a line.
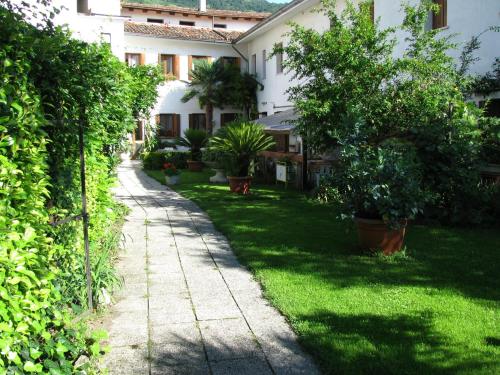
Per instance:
x=194, y=139
x=241, y=141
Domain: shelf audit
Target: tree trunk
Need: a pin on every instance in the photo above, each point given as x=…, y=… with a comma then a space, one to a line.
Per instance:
x=209, y=115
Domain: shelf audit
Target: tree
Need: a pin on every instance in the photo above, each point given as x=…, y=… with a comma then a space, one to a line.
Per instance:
x=207, y=83
x=380, y=109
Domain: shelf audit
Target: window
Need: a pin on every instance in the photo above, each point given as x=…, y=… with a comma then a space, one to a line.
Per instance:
x=186, y=23
x=279, y=59
x=220, y=26
x=197, y=121
x=82, y=6
x=440, y=19
x=168, y=65
x=370, y=7
x=226, y=118
x=264, y=64
x=253, y=64
x=155, y=20
x=134, y=59
x=231, y=60
x=282, y=142
x=139, y=131
x=262, y=114
x=169, y=125
x=106, y=38
x=192, y=61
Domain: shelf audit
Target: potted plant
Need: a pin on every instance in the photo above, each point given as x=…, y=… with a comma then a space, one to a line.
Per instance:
x=194, y=139
x=172, y=175
x=241, y=142
x=380, y=188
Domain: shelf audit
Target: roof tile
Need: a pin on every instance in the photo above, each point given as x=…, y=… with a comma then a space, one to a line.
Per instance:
x=181, y=32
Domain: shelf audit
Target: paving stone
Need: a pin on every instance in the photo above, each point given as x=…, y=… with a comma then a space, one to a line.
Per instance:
x=246, y=366
x=130, y=359
x=172, y=251
x=228, y=339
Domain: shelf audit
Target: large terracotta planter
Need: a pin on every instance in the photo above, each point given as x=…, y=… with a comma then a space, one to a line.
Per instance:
x=195, y=165
x=240, y=185
x=375, y=235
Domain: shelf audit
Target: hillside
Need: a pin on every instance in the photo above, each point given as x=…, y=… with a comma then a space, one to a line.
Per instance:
x=244, y=5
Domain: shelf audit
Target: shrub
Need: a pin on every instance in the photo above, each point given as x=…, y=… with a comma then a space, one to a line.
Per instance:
x=42, y=102
x=356, y=94
x=156, y=160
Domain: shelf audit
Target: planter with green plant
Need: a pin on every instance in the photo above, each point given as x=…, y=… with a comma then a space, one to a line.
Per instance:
x=194, y=139
x=241, y=142
x=172, y=175
x=216, y=160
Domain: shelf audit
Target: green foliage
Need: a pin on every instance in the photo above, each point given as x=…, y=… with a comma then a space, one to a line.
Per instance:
x=50, y=83
x=433, y=311
x=242, y=141
x=355, y=94
x=195, y=139
x=217, y=84
x=243, y=5
x=156, y=160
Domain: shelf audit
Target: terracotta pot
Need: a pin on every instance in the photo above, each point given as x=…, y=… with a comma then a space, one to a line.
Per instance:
x=375, y=235
x=240, y=185
x=195, y=166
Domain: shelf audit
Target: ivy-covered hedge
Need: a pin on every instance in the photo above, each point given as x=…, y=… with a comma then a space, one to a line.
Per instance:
x=50, y=82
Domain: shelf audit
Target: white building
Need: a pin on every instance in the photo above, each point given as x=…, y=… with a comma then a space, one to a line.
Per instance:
x=175, y=37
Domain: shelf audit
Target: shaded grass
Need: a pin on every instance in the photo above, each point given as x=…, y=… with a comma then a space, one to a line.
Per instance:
x=434, y=309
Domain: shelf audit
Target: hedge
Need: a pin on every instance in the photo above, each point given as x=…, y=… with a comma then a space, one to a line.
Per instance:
x=49, y=82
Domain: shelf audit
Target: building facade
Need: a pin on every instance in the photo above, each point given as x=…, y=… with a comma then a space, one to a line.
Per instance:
x=175, y=37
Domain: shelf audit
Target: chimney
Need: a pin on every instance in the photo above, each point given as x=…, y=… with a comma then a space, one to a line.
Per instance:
x=203, y=6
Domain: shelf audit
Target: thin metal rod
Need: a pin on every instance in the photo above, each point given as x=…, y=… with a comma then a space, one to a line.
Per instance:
x=85, y=216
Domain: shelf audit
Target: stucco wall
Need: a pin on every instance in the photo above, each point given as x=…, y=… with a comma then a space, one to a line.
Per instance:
x=171, y=92
x=465, y=18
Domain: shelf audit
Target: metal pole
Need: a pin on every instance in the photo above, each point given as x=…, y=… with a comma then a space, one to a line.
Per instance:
x=85, y=216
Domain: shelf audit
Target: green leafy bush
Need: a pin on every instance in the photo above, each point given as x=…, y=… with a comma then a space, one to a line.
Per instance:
x=42, y=101
x=355, y=93
x=156, y=160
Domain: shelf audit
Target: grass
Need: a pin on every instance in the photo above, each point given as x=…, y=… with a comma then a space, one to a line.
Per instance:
x=433, y=309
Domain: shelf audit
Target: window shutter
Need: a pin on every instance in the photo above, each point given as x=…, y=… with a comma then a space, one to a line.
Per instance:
x=157, y=122
x=238, y=62
x=439, y=19
x=191, y=119
x=177, y=125
x=177, y=67
x=190, y=67
x=142, y=59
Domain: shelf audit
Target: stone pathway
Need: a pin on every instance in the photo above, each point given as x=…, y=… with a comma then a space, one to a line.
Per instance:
x=187, y=305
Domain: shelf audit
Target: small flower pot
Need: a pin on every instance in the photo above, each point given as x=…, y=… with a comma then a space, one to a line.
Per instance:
x=240, y=185
x=375, y=235
x=172, y=180
x=195, y=165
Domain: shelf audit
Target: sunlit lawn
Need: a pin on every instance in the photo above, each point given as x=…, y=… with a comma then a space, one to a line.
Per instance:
x=435, y=310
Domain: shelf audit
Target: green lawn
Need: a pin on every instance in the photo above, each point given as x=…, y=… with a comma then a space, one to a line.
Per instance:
x=435, y=310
